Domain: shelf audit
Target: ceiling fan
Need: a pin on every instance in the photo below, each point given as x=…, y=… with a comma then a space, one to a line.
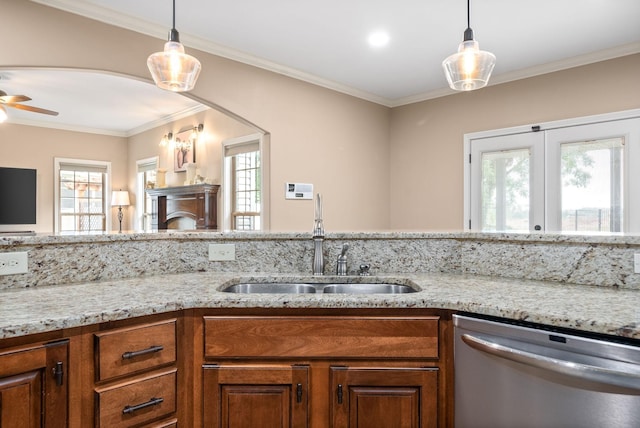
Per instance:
x=15, y=100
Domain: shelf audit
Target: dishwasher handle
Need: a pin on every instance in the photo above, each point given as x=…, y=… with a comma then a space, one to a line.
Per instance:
x=573, y=369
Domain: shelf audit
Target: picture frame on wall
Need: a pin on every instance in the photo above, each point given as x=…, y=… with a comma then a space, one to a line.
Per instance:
x=184, y=151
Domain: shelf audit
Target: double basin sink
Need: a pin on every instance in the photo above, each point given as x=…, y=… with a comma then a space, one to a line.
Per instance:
x=318, y=288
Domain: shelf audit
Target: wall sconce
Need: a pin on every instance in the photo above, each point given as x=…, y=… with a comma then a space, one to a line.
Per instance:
x=120, y=198
x=166, y=140
x=197, y=130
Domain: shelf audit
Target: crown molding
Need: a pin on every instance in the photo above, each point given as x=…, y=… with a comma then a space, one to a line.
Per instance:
x=144, y=27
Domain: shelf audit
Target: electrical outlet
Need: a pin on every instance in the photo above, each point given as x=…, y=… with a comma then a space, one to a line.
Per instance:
x=12, y=263
x=222, y=252
x=636, y=263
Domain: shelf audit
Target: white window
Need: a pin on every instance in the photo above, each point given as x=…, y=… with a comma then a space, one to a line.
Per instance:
x=244, y=178
x=81, y=189
x=146, y=179
x=566, y=176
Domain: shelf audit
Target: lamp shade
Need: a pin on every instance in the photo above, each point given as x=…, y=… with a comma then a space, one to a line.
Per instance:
x=120, y=198
x=172, y=69
x=469, y=68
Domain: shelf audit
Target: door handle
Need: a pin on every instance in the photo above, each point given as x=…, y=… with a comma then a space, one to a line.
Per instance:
x=574, y=369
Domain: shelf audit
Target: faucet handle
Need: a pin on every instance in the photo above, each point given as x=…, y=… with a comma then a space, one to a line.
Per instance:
x=364, y=270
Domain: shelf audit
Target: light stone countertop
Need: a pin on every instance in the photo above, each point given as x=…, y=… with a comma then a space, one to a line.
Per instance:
x=588, y=308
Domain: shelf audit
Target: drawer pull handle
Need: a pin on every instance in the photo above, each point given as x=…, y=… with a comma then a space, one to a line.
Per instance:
x=153, y=402
x=133, y=354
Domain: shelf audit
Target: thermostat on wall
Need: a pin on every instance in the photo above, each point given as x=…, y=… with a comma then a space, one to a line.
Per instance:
x=298, y=191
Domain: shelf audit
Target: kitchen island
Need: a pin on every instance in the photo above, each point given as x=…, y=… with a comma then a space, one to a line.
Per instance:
x=136, y=328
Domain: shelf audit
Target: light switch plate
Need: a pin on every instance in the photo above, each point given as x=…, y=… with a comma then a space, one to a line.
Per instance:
x=636, y=263
x=12, y=263
x=222, y=252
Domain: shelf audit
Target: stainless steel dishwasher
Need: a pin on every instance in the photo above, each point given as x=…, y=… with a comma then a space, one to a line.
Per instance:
x=516, y=376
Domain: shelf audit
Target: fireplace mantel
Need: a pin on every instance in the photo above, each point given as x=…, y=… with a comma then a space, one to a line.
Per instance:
x=198, y=202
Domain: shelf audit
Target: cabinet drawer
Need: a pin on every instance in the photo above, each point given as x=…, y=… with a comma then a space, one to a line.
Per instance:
x=173, y=423
x=129, y=350
x=137, y=401
x=308, y=337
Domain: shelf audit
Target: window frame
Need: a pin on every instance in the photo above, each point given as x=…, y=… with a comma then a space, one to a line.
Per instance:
x=57, y=164
x=228, y=187
x=142, y=166
x=632, y=158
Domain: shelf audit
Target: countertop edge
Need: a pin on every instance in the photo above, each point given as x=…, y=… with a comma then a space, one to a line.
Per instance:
x=592, y=309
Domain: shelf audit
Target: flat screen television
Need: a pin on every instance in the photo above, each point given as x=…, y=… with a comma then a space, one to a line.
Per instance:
x=17, y=196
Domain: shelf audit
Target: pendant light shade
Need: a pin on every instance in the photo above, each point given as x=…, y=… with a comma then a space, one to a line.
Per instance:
x=469, y=68
x=172, y=69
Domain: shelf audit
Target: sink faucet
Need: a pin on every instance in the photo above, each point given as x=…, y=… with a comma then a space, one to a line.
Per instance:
x=341, y=268
x=318, y=237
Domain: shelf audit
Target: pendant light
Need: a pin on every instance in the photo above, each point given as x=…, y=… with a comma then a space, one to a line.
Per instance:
x=469, y=68
x=172, y=69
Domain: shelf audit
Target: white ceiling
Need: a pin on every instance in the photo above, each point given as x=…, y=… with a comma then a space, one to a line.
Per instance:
x=326, y=42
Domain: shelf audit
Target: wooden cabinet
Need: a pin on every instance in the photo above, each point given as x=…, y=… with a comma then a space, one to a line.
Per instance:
x=136, y=375
x=33, y=386
x=244, y=396
x=313, y=368
x=384, y=397
x=363, y=371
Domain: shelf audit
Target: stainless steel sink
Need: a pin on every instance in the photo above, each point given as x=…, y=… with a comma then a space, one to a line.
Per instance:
x=368, y=289
x=271, y=288
x=329, y=288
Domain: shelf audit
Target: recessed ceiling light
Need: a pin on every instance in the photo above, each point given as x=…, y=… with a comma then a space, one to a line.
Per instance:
x=378, y=39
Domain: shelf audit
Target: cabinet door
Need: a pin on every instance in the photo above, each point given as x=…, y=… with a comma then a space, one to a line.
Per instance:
x=20, y=400
x=33, y=391
x=384, y=397
x=255, y=396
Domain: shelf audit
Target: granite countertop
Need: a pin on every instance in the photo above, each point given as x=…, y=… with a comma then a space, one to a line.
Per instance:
x=588, y=308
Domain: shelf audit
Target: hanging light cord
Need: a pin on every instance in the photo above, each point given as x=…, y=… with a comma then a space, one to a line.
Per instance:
x=468, y=14
x=174, y=36
x=174, y=14
x=468, y=33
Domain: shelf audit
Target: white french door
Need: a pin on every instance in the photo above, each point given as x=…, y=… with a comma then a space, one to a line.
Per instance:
x=580, y=175
x=594, y=172
x=507, y=176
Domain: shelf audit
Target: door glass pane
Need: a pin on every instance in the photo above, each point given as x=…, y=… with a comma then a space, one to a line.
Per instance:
x=591, y=188
x=506, y=191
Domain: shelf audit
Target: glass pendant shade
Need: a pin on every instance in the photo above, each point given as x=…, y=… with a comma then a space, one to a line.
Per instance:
x=172, y=69
x=3, y=114
x=469, y=68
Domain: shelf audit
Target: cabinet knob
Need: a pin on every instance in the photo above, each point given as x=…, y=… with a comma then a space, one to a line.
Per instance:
x=299, y=393
x=58, y=373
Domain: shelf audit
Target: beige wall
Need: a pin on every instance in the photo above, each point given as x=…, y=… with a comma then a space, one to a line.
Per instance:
x=34, y=147
x=378, y=168
x=317, y=135
x=426, y=140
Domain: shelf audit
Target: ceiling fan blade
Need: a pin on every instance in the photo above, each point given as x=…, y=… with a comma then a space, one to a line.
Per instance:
x=14, y=98
x=33, y=109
